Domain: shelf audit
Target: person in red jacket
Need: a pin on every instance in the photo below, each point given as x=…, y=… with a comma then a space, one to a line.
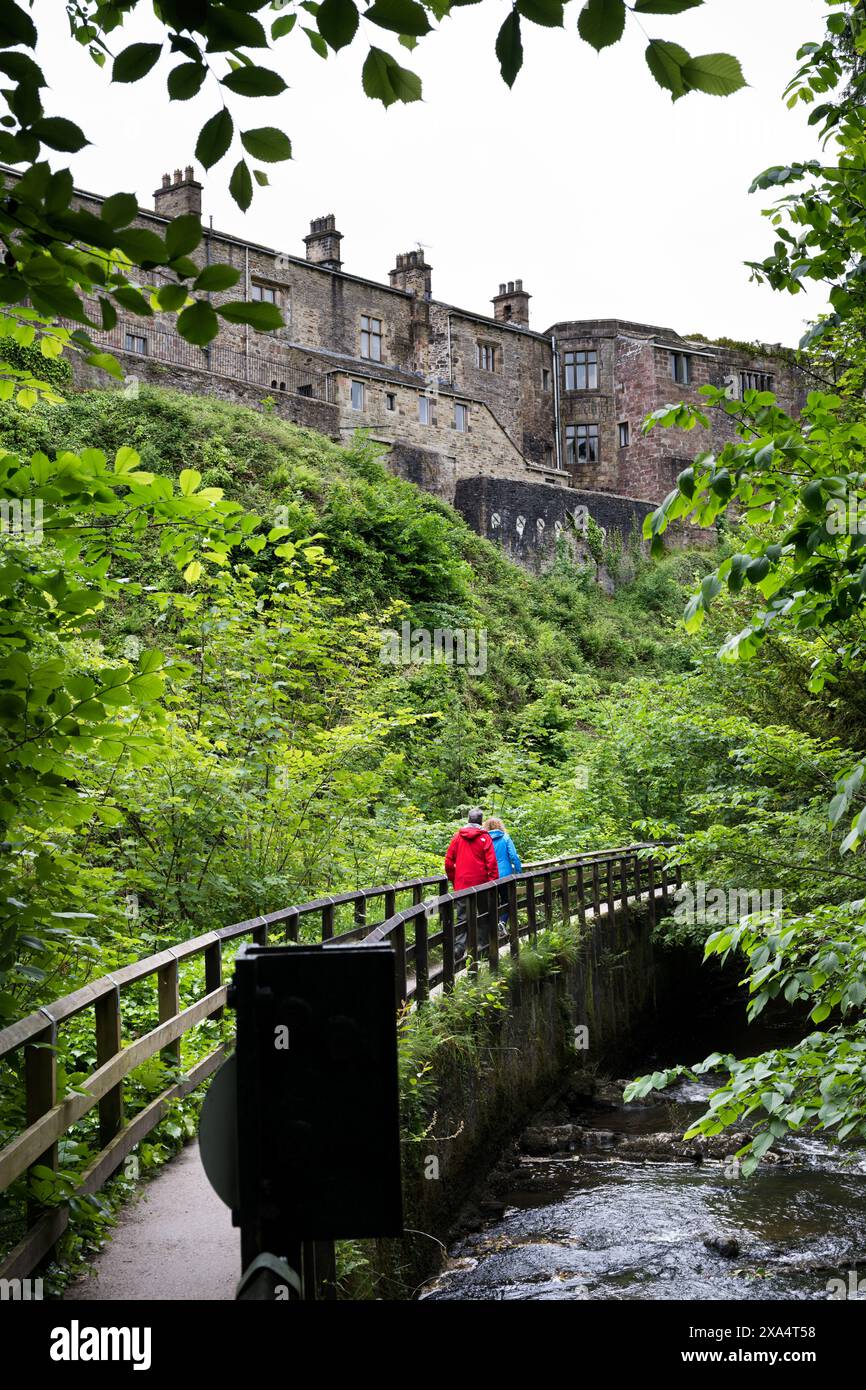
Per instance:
x=470, y=860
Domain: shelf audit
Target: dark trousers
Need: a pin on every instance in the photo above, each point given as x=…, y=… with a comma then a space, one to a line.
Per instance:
x=485, y=902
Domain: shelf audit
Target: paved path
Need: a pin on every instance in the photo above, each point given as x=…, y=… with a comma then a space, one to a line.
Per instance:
x=176, y=1241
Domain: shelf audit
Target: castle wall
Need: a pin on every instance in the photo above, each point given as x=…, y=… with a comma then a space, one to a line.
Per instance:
x=503, y=372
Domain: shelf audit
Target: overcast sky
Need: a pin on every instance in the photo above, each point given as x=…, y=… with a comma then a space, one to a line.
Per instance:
x=584, y=180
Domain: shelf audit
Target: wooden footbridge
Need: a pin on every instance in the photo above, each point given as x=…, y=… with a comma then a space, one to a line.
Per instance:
x=417, y=918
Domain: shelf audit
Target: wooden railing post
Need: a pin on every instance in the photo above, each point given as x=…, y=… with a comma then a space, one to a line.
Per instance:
x=422, y=971
x=513, y=920
x=361, y=911
x=596, y=891
x=581, y=896
x=563, y=893
x=328, y=921
x=213, y=972
x=40, y=1090
x=623, y=883
x=492, y=897
x=531, y=915
x=108, y=1042
x=651, y=888
x=611, y=905
x=446, y=918
x=637, y=887
x=398, y=936
x=547, y=881
x=472, y=931
x=168, y=993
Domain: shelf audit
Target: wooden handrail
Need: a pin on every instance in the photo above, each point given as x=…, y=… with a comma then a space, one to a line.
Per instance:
x=408, y=929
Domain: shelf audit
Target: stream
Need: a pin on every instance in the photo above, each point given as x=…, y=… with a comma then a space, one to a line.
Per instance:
x=600, y=1200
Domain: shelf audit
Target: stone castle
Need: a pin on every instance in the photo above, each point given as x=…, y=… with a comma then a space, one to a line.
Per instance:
x=514, y=426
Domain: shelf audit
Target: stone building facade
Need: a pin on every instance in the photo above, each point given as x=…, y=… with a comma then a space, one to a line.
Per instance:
x=455, y=395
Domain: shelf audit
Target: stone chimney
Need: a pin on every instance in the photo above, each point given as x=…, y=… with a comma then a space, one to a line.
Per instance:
x=412, y=274
x=181, y=194
x=323, y=243
x=511, y=304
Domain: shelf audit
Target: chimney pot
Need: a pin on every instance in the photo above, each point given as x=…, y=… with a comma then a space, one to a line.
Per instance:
x=166, y=181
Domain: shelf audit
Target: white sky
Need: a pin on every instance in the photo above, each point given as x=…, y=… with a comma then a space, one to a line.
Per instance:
x=584, y=180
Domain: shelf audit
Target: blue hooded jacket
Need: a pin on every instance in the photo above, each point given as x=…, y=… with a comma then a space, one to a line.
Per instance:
x=506, y=855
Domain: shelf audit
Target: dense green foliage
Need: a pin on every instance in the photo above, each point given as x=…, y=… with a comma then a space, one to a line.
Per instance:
x=797, y=579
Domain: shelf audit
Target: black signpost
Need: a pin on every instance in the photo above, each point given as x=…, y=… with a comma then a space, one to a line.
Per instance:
x=317, y=1112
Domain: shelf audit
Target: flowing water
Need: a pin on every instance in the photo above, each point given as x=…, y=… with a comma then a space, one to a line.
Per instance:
x=599, y=1222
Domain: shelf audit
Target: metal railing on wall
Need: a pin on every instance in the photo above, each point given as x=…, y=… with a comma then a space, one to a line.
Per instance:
x=577, y=886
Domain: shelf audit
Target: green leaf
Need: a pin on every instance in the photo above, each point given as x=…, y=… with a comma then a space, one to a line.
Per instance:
x=198, y=323
x=260, y=316
x=172, y=297
x=718, y=74
x=549, y=13
x=601, y=22
x=120, y=209
x=400, y=16
x=16, y=26
x=185, y=81
x=338, y=22
x=509, y=48
x=135, y=62
x=267, y=143
x=284, y=25
x=60, y=134
x=217, y=277
x=384, y=80
x=252, y=81
x=214, y=139
x=666, y=62
x=665, y=6
x=241, y=185
x=182, y=235
x=189, y=481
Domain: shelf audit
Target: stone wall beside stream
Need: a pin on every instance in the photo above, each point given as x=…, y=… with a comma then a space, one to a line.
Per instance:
x=483, y=1100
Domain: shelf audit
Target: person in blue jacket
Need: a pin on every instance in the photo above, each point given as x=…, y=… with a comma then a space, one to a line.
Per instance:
x=506, y=857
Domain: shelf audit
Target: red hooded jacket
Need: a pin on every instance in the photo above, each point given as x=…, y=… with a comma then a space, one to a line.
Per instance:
x=470, y=858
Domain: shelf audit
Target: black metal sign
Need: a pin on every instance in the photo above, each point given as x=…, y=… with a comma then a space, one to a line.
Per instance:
x=317, y=1095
